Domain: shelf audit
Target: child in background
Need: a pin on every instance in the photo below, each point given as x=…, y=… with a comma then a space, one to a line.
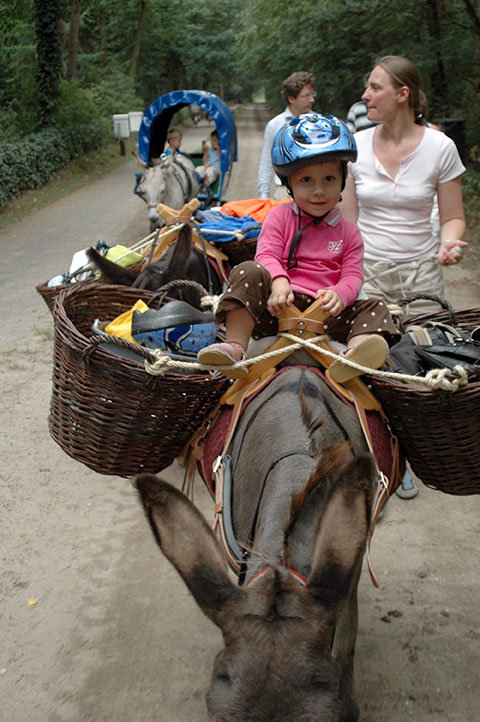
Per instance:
x=306, y=251
x=174, y=141
x=209, y=171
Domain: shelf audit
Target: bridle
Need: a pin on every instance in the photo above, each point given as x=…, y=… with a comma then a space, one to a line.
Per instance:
x=298, y=577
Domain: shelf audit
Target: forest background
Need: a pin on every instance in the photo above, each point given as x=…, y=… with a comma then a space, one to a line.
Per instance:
x=66, y=67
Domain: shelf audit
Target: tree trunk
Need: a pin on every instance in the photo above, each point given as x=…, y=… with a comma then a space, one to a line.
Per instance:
x=138, y=39
x=103, y=35
x=440, y=99
x=49, y=60
x=75, y=13
x=62, y=32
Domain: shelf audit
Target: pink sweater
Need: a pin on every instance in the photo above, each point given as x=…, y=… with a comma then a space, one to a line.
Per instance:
x=329, y=255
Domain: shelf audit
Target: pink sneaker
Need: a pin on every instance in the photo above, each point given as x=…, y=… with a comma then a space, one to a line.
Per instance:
x=222, y=355
x=371, y=352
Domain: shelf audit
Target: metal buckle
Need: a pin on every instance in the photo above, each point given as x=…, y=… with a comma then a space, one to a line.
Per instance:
x=383, y=481
x=216, y=464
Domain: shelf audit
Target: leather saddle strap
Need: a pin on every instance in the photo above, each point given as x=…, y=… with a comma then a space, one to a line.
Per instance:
x=300, y=322
x=176, y=220
x=383, y=490
x=218, y=475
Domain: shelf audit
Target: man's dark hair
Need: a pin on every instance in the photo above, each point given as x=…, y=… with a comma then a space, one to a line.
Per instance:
x=295, y=82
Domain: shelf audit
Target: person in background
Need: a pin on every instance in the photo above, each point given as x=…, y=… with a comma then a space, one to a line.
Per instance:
x=174, y=141
x=209, y=171
x=298, y=91
x=357, y=115
x=401, y=164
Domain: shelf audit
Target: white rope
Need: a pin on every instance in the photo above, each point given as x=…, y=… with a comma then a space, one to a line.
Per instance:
x=210, y=302
x=434, y=379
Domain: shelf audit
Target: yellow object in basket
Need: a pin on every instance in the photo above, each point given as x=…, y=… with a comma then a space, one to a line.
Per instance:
x=123, y=256
x=122, y=325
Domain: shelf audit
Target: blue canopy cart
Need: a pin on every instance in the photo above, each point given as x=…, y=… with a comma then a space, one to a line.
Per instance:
x=156, y=120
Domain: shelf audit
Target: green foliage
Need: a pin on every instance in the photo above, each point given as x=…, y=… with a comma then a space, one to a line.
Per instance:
x=31, y=161
x=231, y=47
x=471, y=185
x=115, y=93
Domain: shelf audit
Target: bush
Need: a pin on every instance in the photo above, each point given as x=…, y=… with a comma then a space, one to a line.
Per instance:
x=31, y=161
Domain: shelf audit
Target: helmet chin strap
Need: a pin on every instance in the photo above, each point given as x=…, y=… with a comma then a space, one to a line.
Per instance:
x=292, y=261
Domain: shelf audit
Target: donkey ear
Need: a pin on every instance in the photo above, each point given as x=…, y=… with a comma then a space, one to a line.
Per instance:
x=188, y=543
x=340, y=540
x=180, y=256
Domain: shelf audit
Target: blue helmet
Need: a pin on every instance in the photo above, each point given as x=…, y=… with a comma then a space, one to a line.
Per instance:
x=311, y=138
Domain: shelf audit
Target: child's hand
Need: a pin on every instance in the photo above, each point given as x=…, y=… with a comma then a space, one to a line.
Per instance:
x=330, y=301
x=281, y=295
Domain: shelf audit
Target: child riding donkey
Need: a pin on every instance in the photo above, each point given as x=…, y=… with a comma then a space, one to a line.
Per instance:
x=306, y=251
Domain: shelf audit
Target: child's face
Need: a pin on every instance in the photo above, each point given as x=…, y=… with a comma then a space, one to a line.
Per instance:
x=215, y=142
x=175, y=141
x=317, y=188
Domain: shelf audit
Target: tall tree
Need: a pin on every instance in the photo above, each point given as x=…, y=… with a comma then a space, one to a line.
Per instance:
x=138, y=39
x=75, y=13
x=49, y=61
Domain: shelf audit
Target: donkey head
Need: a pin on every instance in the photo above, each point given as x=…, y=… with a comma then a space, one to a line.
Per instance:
x=276, y=665
x=154, y=187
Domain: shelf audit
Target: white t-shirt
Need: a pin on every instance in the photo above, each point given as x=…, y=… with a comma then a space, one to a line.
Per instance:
x=394, y=213
x=265, y=167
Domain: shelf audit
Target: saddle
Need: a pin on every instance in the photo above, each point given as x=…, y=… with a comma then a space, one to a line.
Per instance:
x=304, y=325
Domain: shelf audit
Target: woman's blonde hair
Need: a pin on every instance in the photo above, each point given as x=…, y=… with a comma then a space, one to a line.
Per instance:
x=403, y=72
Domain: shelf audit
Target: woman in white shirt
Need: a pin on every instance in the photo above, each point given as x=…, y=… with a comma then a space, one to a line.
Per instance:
x=401, y=165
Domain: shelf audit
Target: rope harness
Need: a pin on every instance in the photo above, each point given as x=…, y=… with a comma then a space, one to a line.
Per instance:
x=444, y=378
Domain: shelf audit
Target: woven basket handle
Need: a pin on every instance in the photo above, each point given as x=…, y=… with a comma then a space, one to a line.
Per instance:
x=427, y=297
x=162, y=292
x=96, y=341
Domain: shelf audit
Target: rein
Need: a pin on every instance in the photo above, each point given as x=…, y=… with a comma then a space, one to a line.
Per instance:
x=298, y=577
x=188, y=192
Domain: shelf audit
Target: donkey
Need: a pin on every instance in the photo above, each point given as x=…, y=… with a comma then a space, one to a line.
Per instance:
x=181, y=261
x=301, y=503
x=172, y=181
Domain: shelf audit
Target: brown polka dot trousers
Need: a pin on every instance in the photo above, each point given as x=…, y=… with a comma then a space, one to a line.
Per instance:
x=250, y=285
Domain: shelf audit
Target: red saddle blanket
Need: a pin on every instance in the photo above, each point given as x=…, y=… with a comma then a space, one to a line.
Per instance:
x=382, y=441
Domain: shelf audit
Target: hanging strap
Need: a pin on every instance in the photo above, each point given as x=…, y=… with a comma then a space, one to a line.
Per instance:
x=386, y=486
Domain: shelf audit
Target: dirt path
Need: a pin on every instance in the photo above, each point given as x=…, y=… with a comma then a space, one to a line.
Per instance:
x=113, y=635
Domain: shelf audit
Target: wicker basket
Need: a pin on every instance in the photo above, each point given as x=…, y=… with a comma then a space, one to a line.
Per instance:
x=106, y=410
x=50, y=293
x=438, y=430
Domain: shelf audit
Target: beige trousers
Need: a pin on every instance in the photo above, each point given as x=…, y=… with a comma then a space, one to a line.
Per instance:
x=390, y=281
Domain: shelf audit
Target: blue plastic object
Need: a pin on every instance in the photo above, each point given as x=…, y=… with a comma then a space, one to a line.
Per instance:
x=180, y=339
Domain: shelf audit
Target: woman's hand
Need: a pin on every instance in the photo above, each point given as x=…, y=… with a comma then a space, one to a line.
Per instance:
x=450, y=252
x=330, y=301
x=280, y=296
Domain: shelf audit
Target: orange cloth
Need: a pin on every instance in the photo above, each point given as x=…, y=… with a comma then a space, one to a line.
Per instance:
x=257, y=208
